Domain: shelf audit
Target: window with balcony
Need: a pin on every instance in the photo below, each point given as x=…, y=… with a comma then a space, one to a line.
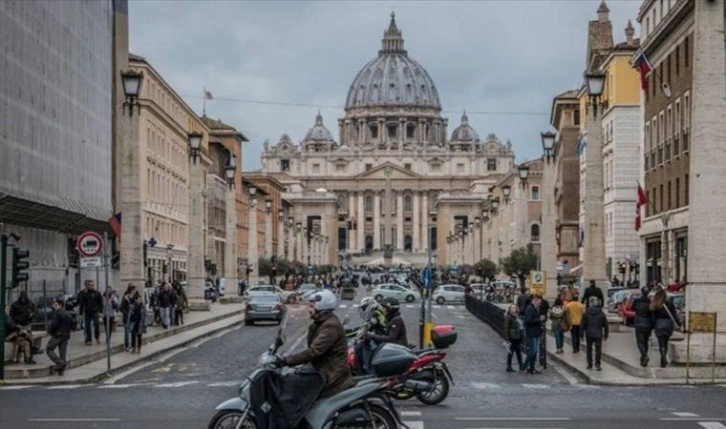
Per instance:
x=373, y=131
x=410, y=131
x=407, y=203
x=391, y=131
x=369, y=203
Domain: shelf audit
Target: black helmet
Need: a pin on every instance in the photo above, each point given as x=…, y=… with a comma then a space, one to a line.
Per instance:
x=390, y=303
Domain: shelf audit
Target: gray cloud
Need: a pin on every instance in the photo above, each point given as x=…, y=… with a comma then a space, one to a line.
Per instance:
x=486, y=56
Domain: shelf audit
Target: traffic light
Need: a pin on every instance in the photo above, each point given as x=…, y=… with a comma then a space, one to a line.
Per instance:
x=623, y=267
x=349, y=225
x=20, y=266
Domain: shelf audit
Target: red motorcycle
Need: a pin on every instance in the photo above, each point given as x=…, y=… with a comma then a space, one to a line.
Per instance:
x=427, y=377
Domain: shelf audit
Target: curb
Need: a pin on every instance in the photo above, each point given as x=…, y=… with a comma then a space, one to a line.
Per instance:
x=235, y=320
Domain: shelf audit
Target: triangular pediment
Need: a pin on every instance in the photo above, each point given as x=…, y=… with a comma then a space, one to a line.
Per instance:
x=379, y=172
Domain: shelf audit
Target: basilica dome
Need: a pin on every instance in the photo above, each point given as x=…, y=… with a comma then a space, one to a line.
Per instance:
x=392, y=78
x=464, y=133
x=318, y=133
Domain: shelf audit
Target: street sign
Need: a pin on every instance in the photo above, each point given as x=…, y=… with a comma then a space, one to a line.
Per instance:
x=537, y=283
x=426, y=275
x=89, y=244
x=701, y=322
x=91, y=262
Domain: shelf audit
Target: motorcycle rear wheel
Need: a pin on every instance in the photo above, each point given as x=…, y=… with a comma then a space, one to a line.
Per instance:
x=228, y=419
x=382, y=419
x=439, y=393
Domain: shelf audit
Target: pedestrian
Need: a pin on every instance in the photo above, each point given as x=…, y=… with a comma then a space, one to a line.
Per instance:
x=575, y=311
x=595, y=327
x=513, y=334
x=22, y=312
x=90, y=305
x=110, y=307
x=181, y=304
x=164, y=301
x=643, y=325
x=665, y=319
x=60, y=332
x=533, y=330
x=126, y=302
x=137, y=318
x=523, y=301
x=560, y=323
x=593, y=291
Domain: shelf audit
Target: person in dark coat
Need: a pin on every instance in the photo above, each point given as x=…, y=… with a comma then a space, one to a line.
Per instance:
x=90, y=305
x=327, y=345
x=22, y=312
x=60, y=332
x=396, y=327
x=643, y=325
x=665, y=318
x=533, y=331
x=513, y=333
x=593, y=292
x=596, y=329
x=127, y=301
x=523, y=301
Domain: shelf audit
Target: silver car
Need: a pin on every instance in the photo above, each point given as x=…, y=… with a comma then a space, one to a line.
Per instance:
x=264, y=307
x=390, y=290
x=285, y=295
x=449, y=294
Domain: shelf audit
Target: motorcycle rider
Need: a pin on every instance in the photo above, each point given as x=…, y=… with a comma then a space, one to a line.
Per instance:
x=396, y=327
x=327, y=345
x=372, y=314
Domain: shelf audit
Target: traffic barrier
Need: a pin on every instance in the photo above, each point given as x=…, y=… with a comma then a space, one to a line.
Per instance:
x=489, y=313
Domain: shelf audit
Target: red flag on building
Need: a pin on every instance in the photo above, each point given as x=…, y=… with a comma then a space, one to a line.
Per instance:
x=115, y=222
x=642, y=200
x=645, y=70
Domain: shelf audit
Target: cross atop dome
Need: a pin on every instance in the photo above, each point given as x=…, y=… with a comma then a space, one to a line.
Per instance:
x=392, y=42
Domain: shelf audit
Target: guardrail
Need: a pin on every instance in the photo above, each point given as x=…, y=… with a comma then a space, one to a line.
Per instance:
x=489, y=313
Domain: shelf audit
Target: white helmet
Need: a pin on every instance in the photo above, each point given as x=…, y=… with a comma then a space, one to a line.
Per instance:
x=365, y=302
x=324, y=300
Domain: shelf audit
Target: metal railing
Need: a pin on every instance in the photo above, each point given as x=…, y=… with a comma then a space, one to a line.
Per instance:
x=487, y=312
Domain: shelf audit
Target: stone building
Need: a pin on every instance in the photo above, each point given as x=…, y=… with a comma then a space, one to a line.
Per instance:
x=394, y=174
x=57, y=121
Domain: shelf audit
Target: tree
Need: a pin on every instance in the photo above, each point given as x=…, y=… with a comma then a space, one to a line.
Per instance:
x=486, y=269
x=519, y=263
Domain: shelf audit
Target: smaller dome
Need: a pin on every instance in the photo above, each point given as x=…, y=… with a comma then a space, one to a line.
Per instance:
x=285, y=143
x=464, y=133
x=318, y=133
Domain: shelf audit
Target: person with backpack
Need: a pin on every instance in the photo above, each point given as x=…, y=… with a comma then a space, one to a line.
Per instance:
x=596, y=329
x=513, y=334
x=560, y=324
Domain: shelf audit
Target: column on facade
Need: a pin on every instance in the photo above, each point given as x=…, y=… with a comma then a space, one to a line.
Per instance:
x=281, y=237
x=195, y=259
x=401, y=129
x=132, y=263
x=381, y=130
x=305, y=245
x=425, y=233
x=594, y=243
x=252, y=253
x=399, y=221
x=299, y=242
x=475, y=243
x=361, y=218
x=416, y=224
x=230, y=245
x=548, y=246
x=377, y=220
x=268, y=233
x=353, y=215
x=361, y=130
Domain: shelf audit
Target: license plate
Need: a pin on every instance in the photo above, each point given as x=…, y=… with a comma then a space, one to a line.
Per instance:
x=264, y=308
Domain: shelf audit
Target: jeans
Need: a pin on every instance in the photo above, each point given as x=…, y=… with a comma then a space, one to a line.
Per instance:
x=532, y=349
x=559, y=339
x=642, y=338
x=663, y=348
x=165, y=313
x=62, y=344
x=597, y=342
x=127, y=335
x=515, y=348
x=88, y=319
x=575, y=330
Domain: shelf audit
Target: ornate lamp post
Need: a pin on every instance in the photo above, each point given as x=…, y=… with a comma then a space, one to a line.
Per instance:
x=268, y=228
x=506, y=192
x=281, y=233
x=196, y=256
x=252, y=240
x=548, y=246
x=230, y=245
x=523, y=171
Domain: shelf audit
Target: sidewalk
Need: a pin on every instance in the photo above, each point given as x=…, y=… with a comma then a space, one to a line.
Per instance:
x=88, y=363
x=621, y=363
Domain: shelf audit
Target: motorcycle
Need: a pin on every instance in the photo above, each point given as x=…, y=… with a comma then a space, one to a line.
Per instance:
x=427, y=377
x=271, y=397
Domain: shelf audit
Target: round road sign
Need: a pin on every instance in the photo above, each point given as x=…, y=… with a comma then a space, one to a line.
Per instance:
x=89, y=244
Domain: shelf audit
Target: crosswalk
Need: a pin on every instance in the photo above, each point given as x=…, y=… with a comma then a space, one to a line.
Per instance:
x=685, y=417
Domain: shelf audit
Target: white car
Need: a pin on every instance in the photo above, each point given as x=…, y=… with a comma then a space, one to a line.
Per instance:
x=448, y=294
x=390, y=290
x=287, y=296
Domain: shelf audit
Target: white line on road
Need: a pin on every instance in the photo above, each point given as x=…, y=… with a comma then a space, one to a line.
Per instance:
x=685, y=414
x=536, y=386
x=177, y=384
x=65, y=387
x=476, y=385
x=14, y=387
x=225, y=384
x=117, y=386
x=514, y=419
x=410, y=306
x=711, y=425
x=450, y=307
x=414, y=425
x=79, y=419
x=410, y=413
x=690, y=419
x=343, y=305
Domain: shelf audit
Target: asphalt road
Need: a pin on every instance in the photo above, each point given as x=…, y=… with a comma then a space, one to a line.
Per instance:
x=181, y=389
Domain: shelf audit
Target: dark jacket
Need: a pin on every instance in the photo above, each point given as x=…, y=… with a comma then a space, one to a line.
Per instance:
x=593, y=291
x=512, y=330
x=327, y=351
x=21, y=311
x=532, y=323
x=167, y=298
x=126, y=303
x=643, y=316
x=60, y=325
x=662, y=321
x=90, y=301
x=523, y=301
x=395, y=331
x=595, y=323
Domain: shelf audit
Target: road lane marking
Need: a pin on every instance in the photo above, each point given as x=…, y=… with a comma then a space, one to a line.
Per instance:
x=177, y=384
x=450, y=307
x=343, y=305
x=514, y=419
x=410, y=413
x=14, y=387
x=476, y=385
x=71, y=419
x=65, y=387
x=117, y=386
x=711, y=425
x=690, y=419
x=410, y=306
x=415, y=424
x=536, y=386
x=225, y=384
x=685, y=414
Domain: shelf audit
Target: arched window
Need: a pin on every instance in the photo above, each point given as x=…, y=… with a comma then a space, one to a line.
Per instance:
x=369, y=203
x=407, y=204
x=534, y=233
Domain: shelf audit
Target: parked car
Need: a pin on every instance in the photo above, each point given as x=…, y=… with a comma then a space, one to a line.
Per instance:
x=679, y=301
x=264, y=307
x=616, y=299
x=306, y=288
x=450, y=293
x=390, y=290
x=287, y=296
x=625, y=310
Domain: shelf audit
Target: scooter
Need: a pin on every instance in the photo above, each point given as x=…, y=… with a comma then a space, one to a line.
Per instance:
x=260, y=406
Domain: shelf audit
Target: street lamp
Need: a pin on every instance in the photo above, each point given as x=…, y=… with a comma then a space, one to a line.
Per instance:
x=268, y=205
x=548, y=143
x=506, y=191
x=477, y=221
x=485, y=216
x=131, y=82
x=298, y=226
x=253, y=196
x=195, y=144
x=495, y=206
x=230, y=169
x=281, y=215
x=523, y=174
x=594, y=82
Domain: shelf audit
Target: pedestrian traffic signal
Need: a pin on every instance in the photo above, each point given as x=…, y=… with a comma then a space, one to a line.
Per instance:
x=20, y=266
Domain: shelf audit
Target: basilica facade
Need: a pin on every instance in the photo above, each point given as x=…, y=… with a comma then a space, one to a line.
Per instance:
x=394, y=176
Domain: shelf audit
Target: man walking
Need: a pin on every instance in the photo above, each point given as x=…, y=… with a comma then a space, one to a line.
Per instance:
x=60, y=332
x=90, y=304
x=595, y=326
x=533, y=331
x=593, y=292
x=575, y=311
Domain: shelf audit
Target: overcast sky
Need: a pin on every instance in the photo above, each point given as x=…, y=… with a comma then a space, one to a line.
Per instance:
x=492, y=58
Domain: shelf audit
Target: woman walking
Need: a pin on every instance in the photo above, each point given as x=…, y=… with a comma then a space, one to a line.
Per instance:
x=137, y=318
x=126, y=302
x=643, y=325
x=110, y=306
x=513, y=333
x=666, y=318
x=560, y=323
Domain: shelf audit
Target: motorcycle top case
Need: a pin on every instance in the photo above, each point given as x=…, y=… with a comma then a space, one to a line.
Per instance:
x=443, y=336
x=391, y=360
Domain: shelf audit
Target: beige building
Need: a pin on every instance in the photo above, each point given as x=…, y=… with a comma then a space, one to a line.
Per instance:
x=395, y=174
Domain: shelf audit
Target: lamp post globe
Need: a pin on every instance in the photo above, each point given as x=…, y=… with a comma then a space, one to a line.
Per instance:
x=594, y=82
